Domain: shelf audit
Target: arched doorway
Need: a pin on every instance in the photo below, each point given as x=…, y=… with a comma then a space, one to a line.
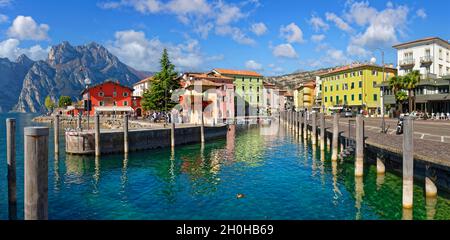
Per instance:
x=139, y=112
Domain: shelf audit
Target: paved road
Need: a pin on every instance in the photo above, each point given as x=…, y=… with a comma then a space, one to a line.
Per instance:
x=437, y=131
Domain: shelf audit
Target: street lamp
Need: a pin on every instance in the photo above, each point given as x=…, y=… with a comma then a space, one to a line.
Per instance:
x=383, y=122
x=87, y=81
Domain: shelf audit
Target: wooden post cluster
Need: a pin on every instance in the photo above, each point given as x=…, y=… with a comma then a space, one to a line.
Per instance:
x=11, y=161
x=359, y=160
x=36, y=173
x=408, y=162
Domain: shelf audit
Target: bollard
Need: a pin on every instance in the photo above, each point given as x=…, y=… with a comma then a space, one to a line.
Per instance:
x=408, y=163
x=202, y=130
x=430, y=187
x=381, y=169
x=125, y=134
x=97, y=135
x=36, y=173
x=11, y=161
x=359, y=159
x=56, y=133
x=322, y=131
x=334, y=144
x=79, y=126
x=172, y=135
x=314, y=128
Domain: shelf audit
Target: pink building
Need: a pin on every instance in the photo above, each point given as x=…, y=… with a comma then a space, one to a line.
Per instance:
x=211, y=93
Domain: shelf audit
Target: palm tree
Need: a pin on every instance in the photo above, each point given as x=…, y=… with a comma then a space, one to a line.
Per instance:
x=410, y=82
x=396, y=85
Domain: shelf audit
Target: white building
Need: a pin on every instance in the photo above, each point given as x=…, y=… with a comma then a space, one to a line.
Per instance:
x=431, y=56
x=141, y=86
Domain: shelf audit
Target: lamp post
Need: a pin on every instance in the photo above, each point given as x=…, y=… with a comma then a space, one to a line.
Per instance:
x=87, y=81
x=383, y=122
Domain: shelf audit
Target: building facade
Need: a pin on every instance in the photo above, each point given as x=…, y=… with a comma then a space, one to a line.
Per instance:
x=140, y=87
x=271, y=96
x=304, y=96
x=354, y=87
x=430, y=56
x=248, y=86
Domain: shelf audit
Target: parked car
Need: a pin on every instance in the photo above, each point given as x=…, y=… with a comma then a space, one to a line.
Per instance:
x=347, y=114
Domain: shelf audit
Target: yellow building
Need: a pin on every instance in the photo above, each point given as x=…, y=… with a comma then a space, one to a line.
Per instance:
x=354, y=87
x=304, y=96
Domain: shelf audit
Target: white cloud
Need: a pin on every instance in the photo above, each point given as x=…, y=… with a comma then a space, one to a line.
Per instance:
x=253, y=65
x=318, y=38
x=285, y=51
x=142, y=6
x=133, y=48
x=421, y=13
x=3, y=18
x=258, y=29
x=235, y=33
x=227, y=13
x=25, y=28
x=341, y=24
x=318, y=24
x=292, y=33
x=10, y=49
x=4, y=3
x=355, y=50
x=361, y=13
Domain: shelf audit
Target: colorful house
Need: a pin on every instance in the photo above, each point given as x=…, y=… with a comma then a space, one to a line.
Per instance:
x=210, y=93
x=354, y=87
x=271, y=99
x=248, y=86
x=304, y=96
x=140, y=87
x=111, y=98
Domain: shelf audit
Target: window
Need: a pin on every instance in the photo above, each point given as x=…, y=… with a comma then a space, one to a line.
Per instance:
x=440, y=70
x=353, y=74
x=320, y=87
x=440, y=54
x=337, y=99
x=345, y=87
x=125, y=103
x=326, y=99
x=337, y=87
x=257, y=89
x=353, y=85
x=374, y=73
x=326, y=89
x=331, y=88
x=346, y=75
x=114, y=103
x=360, y=73
x=345, y=98
x=125, y=94
x=257, y=99
x=374, y=84
x=375, y=97
x=257, y=80
x=331, y=99
x=101, y=94
x=243, y=88
x=360, y=84
x=360, y=97
x=448, y=57
x=353, y=97
x=102, y=103
x=114, y=94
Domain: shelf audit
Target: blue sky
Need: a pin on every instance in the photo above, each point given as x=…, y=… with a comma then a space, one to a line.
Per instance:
x=272, y=37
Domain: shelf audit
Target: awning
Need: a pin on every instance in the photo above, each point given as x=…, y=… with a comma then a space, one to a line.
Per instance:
x=114, y=109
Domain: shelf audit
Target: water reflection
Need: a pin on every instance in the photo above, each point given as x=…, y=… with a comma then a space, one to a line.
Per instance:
x=337, y=192
x=430, y=206
x=96, y=175
x=380, y=180
x=124, y=177
x=407, y=214
x=57, y=177
x=359, y=194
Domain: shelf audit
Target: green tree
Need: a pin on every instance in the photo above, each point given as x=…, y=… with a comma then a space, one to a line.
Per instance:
x=410, y=82
x=396, y=85
x=64, y=101
x=158, y=97
x=49, y=104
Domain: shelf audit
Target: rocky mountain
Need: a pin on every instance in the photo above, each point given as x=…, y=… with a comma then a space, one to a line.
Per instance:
x=290, y=81
x=64, y=72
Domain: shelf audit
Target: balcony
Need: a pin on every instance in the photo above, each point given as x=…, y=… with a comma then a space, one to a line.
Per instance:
x=428, y=76
x=407, y=63
x=427, y=60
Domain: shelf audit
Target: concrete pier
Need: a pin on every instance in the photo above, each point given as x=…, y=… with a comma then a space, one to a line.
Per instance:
x=11, y=161
x=314, y=128
x=97, y=134
x=335, y=143
x=36, y=173
x=56, y=133
x=408, y=162
x=359, y=159
x=172, y=135
x=125, y=134
x=305, y=125
x=322, y=131
x=430, y=187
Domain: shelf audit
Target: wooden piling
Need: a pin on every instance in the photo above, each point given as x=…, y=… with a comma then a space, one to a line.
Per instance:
x=11, y=161
x=56, y=133
x=408, y=162
x=125, y=134
x=97, y=135
x=36, y=173
x=359, y=159
x=334, y=144
x=314, y=128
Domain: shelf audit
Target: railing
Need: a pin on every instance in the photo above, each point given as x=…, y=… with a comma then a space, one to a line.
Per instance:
x=407, y=62
x=426, y=59
x=428, y=76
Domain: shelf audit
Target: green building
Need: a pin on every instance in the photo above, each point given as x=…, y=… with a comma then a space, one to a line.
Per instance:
x=248, y=90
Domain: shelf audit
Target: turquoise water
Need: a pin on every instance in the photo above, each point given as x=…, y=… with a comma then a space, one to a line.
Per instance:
x=280, y=177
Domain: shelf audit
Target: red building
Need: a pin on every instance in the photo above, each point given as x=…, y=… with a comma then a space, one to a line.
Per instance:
x=111, y=98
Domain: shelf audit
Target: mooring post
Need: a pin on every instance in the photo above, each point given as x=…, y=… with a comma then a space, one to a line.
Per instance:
x=334, y=144
x=172, y=135
x=408, y=162
x=11, y=161
x=314, y=128
x=322, y=131
x=381, y=169
x=79, y=123
x=56, y=133
x=359, y=160
x=125, y=134
x=36, y=173
x=202, y=130
x=305, y=125
x=430, y=187
x=97, y=135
